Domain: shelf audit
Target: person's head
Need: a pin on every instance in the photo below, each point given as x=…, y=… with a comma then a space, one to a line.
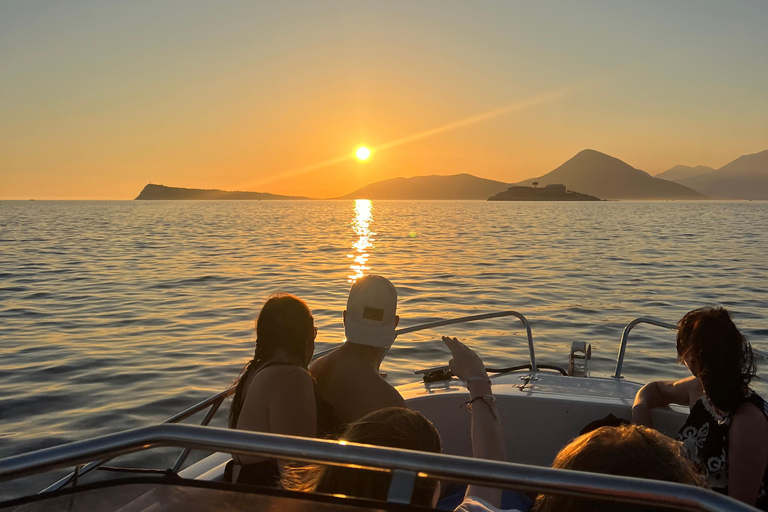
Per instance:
x=709, y=343
x=370, y=318
x=627, y=450
x=393, y=427
x=285, y=329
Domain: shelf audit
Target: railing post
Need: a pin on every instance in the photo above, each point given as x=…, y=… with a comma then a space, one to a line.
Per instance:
x=625, y=337
x=208, y=417
x=401, y=486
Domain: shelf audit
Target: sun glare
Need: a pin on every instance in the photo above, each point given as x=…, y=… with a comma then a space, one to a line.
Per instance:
x=362, y=153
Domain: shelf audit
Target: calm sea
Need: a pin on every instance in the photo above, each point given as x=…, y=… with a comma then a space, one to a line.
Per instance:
x=115, y=315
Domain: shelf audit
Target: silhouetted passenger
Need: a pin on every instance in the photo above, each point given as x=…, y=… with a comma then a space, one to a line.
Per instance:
x=628, y=450
x=348, y=378
x=726, y=433
x=275, y=392
x=398, y=427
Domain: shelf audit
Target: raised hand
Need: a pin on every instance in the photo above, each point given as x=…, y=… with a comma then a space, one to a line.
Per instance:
x=465, y=364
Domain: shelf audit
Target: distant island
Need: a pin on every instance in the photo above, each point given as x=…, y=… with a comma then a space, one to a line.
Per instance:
x=163, y=193
x=595, y=173
x=435, y=187
x=552, y=192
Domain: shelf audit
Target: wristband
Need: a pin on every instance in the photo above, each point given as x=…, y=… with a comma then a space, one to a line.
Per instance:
x=479, y=379
x=488, y=400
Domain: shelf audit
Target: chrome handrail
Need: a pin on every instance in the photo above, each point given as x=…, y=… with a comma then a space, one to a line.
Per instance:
x=625, y=337
x=408, y=465
x=211, y=403
x=460, y=320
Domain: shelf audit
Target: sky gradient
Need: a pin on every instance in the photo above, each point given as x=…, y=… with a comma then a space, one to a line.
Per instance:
x=98, y=99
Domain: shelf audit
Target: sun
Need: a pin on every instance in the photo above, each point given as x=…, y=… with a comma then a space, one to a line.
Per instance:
x=363, y=153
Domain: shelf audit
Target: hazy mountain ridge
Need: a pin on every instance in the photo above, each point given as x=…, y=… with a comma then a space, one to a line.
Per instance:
x=163, y=193
x=680, y=172
x=433, y=187
x=594, y=173
x=744, y=178
x=590, y=172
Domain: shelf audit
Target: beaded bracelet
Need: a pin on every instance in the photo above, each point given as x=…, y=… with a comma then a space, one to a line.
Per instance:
x=488, y=400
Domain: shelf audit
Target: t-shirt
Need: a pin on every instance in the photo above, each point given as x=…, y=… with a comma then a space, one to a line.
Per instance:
x=473, y=504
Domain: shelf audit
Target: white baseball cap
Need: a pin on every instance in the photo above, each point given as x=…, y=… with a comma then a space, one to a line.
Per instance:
x=371, y=310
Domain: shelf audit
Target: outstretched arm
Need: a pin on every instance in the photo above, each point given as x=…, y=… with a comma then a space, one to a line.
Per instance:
x=660, y=393
x=487, y=435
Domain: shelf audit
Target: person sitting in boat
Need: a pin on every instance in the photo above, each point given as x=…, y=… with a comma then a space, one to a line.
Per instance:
x=398, y=427
x=348, y=378
x=726, y=433
x=627, y=450
x=275, y=392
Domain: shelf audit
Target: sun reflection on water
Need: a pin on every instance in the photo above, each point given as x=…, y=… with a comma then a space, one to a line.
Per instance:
x=361, y=224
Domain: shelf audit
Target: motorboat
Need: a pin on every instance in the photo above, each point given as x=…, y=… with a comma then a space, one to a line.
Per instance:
x=542, y=407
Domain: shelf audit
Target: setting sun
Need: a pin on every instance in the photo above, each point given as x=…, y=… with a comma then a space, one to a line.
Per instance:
x=362, y=153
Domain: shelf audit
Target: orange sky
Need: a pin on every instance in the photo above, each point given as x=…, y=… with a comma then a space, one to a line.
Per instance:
x=97, y=101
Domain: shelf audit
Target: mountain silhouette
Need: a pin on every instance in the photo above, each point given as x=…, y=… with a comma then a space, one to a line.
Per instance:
x=744, y=178
x=597, y=174
x=680, y=172
x=457, y=186
x=161, y=192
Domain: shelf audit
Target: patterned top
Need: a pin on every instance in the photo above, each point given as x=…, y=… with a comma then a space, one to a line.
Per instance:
x=705, y=438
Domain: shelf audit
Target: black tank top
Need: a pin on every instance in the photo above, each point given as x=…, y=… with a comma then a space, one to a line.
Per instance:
x=705, y=438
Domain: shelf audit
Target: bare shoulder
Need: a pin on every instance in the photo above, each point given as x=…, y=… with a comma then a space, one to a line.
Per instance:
x=384, y=393
x=285, y=376
x=691, y=385
x=748, y=434
x=684, y=391
x=322, y=364
x=748, y=419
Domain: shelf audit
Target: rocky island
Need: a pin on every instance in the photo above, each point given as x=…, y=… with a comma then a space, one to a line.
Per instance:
x=162, y=193
x=553, y=192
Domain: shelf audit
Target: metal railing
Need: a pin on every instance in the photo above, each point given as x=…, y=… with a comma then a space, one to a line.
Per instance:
x=406, y=466
x=460, y=320
x=625, y=337
x=212, y=404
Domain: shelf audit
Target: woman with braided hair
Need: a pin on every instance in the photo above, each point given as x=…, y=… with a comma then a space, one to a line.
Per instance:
x=275, y=393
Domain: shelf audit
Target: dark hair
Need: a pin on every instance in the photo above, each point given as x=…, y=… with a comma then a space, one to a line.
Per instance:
x=285, y=322
x=719, y=355
x=628, y=450
x=393, y=427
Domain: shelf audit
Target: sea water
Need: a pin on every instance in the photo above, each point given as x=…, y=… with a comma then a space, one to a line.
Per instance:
x=118, y=314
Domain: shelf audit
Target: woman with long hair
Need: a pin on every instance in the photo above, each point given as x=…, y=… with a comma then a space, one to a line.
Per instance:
x=275, y=393
x=726, y=433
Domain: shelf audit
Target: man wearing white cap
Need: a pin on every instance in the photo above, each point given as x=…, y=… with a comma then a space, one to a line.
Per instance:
x=348, y=378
